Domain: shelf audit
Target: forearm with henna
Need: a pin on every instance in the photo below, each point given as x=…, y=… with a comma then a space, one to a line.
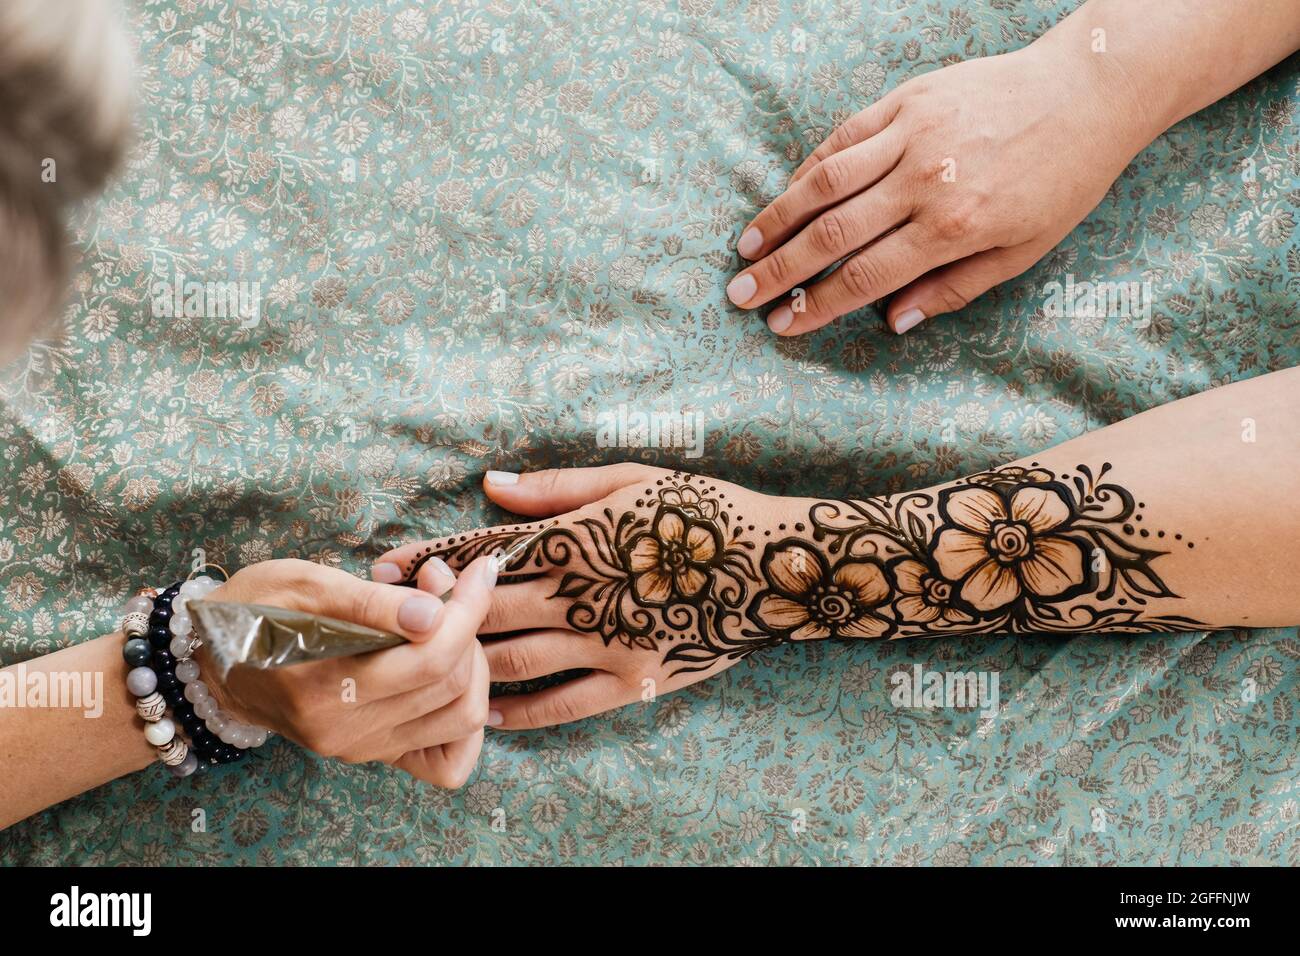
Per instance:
x=699, y=569
x=1176, y=519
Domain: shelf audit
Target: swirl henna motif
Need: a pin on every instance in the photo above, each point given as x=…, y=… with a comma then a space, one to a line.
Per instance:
x=1011, y=550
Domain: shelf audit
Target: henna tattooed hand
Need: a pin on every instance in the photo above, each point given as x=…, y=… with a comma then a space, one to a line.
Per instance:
x=652, y=580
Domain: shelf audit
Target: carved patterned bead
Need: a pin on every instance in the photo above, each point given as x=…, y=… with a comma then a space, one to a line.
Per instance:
x=173, y=752
x=151, y=708
x=135, y=624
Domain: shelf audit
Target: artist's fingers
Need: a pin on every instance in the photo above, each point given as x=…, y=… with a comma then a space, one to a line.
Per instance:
x=541, y=653
x=331, y=592
x=573, y=700
x=841, y=176
x=396, y=670
x=558, y=490
x=858, y=127
x=447, y=765
x=465, y=715
x=413, y=679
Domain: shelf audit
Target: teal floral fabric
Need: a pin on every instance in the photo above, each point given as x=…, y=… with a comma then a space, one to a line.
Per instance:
x=475, y=230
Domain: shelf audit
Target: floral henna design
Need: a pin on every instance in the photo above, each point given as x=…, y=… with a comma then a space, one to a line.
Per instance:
x=1015, y=549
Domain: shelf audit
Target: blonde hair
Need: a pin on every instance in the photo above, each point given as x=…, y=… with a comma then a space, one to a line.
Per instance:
x=65, y=102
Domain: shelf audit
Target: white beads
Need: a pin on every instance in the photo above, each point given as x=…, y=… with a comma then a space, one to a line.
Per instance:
x=197, y=588
x=151, y=708
x=217, y=722
x=182, y=647
x=173, y=752
x=187, y=671
x=205, y=708
x=257, y=736
x=196, y=692
x=160, y=732
x=180, y=624
x=138, y=605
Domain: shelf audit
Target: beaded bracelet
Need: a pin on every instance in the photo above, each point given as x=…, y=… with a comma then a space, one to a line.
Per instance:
x=164, y=673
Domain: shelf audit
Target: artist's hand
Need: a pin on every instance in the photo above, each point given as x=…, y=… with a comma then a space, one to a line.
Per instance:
x=950, y=184
x=419, y=706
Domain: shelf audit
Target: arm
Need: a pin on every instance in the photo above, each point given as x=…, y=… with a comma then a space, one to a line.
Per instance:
x=420, y=706
x=1181, y=518
x=976, y=168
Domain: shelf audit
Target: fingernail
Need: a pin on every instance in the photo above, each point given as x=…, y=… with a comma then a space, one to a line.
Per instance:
x=908, y=320
x=441, y=567
x=491, y=568
x=751, y=240
x=502, y=478
x=741, y=289
x=780, y=319
x=495, y=719
x=385, y=572
x=417, y=614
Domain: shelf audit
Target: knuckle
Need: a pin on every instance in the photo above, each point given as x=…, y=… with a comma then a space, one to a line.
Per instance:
x=458, y=681
x=861, y=277
x=471, y=715
x=515, y=662
x=950, y=296
x=367, y=604
x=830, y=232
x=956, y=222
x=777, y=267
x=453, y=778
x=550, y=480
x=828, y=178
x=777, y=219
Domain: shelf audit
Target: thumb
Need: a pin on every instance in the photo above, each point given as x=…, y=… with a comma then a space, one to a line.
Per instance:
x=954, y=286
x=554, y=491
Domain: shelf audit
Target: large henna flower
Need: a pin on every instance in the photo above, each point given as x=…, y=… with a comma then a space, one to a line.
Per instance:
x=809, y=601
x=925, y=596
x=673, y=560
x=1001, y=543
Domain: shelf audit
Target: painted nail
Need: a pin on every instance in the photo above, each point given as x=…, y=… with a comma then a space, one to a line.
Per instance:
x=495, y=719
x=502, y=478
x=385, y=572
x=780, y=319
x=417, y=614
x=751, y=240
x=908, y=320
x=442, y=568
x=741, y=289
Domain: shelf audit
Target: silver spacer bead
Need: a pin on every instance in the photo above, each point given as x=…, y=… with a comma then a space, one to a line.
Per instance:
x=173, y=752
x=135, y=624
x=151, y=708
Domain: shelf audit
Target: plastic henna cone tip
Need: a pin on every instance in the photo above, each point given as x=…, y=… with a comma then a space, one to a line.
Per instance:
x=504, y=557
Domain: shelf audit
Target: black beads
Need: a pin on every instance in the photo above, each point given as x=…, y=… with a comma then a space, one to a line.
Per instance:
x=136, y=652
x=173, y=695
x=163, y=660
x=161, y=615
x=160, y=637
